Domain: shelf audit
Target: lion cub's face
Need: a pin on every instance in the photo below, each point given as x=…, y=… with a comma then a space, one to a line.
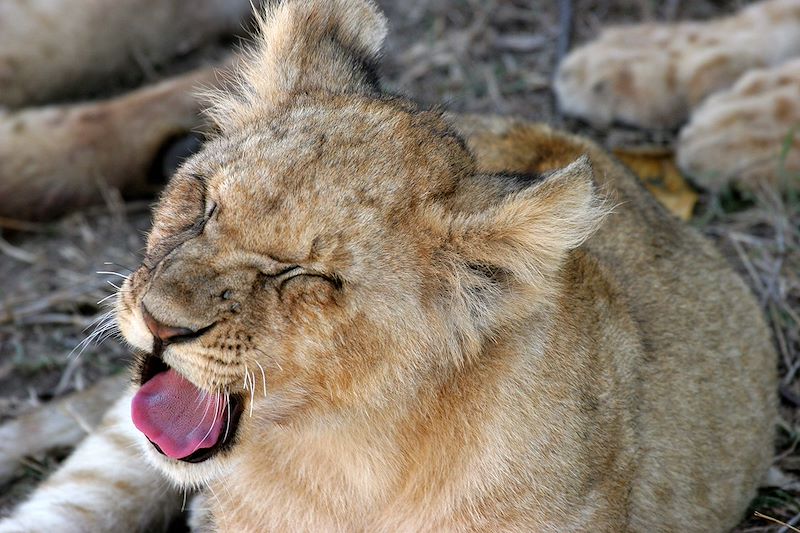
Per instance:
x=331, y=252
x=297, y=256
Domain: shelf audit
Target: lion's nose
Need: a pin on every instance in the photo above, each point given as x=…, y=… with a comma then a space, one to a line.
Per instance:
x=168, y=334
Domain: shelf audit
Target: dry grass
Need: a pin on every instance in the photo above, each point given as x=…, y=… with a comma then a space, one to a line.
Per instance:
x=475, y=55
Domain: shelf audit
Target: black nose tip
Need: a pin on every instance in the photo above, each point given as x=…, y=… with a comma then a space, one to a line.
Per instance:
x=167, y=334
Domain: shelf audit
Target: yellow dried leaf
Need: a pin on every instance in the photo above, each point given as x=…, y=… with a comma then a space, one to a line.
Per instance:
x=657, y=170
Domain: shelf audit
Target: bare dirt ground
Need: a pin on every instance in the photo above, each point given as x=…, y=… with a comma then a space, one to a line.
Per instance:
x=492, y=56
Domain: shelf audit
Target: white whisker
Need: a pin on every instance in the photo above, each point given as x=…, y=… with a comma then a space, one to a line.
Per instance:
x=228, y=421
x=246, y=377
x=112, y=263
x=111, y=273
x=263, y=377
x=105, y=326
x=276, y=363
x=103, y=300
x=204, y=395
x=100, y=320
x=252, y=396
x=214, y=494
x=213, y=420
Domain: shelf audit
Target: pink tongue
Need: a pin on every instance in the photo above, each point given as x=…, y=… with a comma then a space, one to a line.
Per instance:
x=176, y=415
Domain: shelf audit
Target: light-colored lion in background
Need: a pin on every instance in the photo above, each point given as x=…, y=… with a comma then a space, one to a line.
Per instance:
x=736, y=80
x=398, y=320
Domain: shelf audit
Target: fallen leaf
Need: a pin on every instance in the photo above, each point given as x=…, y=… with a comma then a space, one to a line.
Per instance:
x=656, y=168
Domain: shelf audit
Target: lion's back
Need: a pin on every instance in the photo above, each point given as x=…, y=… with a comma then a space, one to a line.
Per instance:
x=707, y=376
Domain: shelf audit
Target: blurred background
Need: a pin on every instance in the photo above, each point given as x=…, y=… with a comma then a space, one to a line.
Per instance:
x=65, y=246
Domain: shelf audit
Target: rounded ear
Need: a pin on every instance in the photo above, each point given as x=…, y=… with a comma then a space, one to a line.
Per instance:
x=305, y=45
x=527, y=234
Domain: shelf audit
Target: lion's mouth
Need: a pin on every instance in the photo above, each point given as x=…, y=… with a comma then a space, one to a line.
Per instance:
x=180, y=420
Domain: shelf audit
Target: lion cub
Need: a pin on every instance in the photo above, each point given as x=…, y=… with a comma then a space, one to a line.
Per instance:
x=358, y=315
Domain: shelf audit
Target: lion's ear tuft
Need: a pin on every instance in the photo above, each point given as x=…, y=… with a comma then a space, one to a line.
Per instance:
x=306, y=46
x=529, y=232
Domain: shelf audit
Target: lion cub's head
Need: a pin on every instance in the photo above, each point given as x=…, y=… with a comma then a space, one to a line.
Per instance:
x=331, y=251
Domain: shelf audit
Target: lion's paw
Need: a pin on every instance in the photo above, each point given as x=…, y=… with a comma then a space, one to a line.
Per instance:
x=746, y=133
x=652, y=75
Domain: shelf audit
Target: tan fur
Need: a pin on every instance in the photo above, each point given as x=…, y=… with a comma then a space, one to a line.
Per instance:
x=747, y=133
x=652, y=75
x=52, y=50
x=475, y=339
x=60, y=157
x=62, y=423
x=102, y=487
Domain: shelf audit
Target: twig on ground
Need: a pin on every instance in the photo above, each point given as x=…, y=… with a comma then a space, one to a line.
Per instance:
x=66, y=377
x=17, y=253
x=789, y=525
x=751, y=270
x=779, y=335
x=55, y=319
x=43, y=303
x=786, y=526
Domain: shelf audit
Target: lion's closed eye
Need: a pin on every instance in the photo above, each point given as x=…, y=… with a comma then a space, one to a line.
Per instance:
x=183, y=218
x=299, y=285
x=285, y=275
